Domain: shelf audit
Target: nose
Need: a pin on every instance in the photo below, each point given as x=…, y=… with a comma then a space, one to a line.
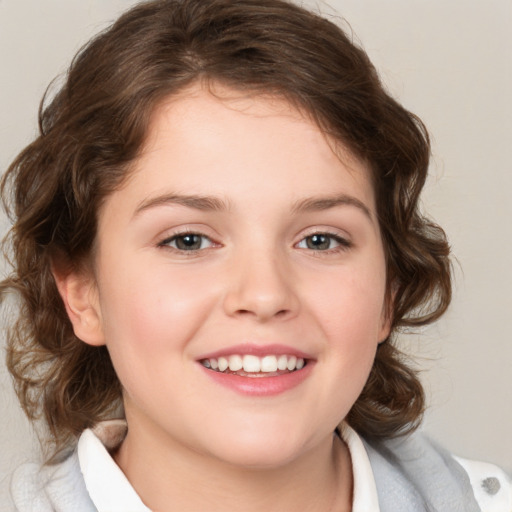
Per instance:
x=261, y=286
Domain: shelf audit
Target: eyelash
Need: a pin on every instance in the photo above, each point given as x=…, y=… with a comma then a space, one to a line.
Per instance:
x=165, y=244
x=343, y=243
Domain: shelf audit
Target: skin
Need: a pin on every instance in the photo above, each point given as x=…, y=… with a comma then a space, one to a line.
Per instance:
x=254, y=280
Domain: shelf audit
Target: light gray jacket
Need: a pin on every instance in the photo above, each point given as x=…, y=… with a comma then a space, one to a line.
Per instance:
x=412, y=474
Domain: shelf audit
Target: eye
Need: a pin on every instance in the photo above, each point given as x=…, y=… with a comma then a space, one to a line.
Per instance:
x=323, y=242
x=187, y=242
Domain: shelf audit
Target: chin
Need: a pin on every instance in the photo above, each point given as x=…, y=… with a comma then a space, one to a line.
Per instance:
x=260, y=449
x=253, y=458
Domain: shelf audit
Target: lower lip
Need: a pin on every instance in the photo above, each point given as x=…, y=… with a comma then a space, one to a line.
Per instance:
x=261, y=386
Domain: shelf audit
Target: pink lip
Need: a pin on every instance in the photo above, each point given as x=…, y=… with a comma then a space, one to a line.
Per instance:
x=260, y=386
x=256, y=350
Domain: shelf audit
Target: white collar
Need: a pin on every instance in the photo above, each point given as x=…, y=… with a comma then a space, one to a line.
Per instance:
x=110, y=490
x=365, y=490
x=108, y=487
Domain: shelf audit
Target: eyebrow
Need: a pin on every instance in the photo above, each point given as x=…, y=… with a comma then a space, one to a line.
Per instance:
x=211, y=203
x=312, y=204
x=203, y=203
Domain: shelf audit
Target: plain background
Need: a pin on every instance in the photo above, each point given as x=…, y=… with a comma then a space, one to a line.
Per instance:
x=446, y=60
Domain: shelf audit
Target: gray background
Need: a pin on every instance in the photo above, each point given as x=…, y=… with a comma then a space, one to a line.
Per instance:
x=446, y=60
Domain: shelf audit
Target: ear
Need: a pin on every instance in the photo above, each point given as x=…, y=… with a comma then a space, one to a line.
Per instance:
x=80, y=296
x=386, y=320
x=385, y=326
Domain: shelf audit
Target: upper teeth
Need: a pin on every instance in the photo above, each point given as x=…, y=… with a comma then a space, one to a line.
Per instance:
x=254, y=364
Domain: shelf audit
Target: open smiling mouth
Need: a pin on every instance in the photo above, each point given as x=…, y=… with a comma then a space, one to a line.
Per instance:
x=254, y=366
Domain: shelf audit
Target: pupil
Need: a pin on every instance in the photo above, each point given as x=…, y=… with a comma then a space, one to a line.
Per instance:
x=188, y=242
x=318, y=242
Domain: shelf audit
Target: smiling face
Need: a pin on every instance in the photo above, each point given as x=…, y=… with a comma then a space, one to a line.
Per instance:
x=239, y=281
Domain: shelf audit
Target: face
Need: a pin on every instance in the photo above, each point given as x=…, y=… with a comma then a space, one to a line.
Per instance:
x=242, y=239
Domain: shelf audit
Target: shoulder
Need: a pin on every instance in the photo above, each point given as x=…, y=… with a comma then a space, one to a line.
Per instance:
x=38, y=488
x=491, y=485
x=430, y=476
x=27, y=489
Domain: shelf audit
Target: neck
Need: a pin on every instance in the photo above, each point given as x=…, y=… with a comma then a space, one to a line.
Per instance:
x=168, y=476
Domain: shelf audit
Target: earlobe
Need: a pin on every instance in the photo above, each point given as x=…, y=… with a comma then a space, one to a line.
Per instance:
x=79, y=294
x=385, y=330
x=385, y=326
x=387, y=316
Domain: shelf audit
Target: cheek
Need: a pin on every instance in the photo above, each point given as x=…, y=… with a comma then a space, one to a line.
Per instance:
x=349, y=311
x=350, y=301
x=150, y=310
x=149, y=321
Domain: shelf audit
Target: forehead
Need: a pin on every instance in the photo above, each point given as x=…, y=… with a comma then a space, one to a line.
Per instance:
x=225, y=142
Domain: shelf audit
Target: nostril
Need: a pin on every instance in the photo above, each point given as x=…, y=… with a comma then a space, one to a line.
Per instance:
x=244, y=312
x=263, y=315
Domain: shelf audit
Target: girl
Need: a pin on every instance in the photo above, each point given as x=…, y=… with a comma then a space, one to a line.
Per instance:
x=216, y=237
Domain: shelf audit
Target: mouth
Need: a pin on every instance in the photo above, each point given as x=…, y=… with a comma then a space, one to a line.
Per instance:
x=258, y=370
x=249, y=365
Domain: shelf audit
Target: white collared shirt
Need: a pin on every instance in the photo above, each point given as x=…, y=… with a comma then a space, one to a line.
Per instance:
x=110, y=490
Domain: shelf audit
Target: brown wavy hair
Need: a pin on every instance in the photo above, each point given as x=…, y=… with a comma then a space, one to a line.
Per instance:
x=93, y=128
